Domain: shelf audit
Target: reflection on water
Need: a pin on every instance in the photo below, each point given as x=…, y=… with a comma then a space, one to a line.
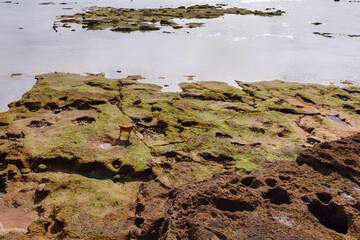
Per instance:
x=245, y=48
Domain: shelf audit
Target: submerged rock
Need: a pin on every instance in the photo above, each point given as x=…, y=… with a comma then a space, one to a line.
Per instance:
x=129, y=20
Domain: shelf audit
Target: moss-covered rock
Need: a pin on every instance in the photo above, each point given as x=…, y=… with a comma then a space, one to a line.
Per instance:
x=129, y=20
x=96, y=183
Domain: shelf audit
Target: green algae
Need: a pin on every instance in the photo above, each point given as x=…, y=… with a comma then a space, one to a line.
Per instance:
x=129, y=20
x=180, y=137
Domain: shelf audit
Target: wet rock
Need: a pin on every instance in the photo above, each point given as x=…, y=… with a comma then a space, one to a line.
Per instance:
x=129, y=20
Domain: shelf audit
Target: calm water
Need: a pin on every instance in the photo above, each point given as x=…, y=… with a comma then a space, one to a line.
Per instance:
x=246, y=48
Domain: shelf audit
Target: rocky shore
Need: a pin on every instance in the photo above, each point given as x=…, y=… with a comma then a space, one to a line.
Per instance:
x=209, y=162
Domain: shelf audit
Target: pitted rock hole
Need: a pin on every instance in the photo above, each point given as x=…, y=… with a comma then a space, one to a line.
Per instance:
x=155, y=131
x=277, y=196
x=222, y=135
x=116, y=164
x=233, y=205
x=332, y=216
x=219, y=159
x=312, y=141
x=257, y=130
x=57, y=227
x=189, y=123
x=324, y=197
x=284, y=178
x=105, y=145
x=83, y=121
x=12, y=137
x=237, y=144
x=270, y=182
x=39, y=124
x=350, y=162
x=247, y=181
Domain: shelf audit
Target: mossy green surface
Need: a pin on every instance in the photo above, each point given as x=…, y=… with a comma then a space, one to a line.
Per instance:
x=94, y=179
x=129, y=20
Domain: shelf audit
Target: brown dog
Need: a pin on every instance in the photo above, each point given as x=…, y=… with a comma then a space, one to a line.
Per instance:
x=128, y=128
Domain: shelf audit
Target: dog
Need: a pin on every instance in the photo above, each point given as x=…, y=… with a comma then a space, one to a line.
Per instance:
x=128, y=129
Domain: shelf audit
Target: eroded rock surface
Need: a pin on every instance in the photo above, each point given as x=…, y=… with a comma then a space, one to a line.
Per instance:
x=282, y=201
x=61, y=156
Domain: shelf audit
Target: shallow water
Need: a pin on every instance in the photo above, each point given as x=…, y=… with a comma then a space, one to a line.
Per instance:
x=245, y=48
x=338, y=120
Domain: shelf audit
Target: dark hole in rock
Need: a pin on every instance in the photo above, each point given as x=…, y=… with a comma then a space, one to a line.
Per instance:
x=57, y=227
x=247, y=181
x=357, y=111
x=325, y=145
x=312, y=141
x=180, y=129
x=39, y=124
x=304, y=98
x=189, y=123
x=2, y=187
x=332, y=216
x=284, y=178
x=83, y=121
x=12, y=137
x=63, y=98
x=238, y=144
x=166, y=166
x=33, y=106
x=255, y=145
x=309, y=129
x=305, y=199
x=154, y=131
x=348, y=107
x=51, y=106
x=256, y=184
x=350, y=162
x=342, y=97
x=324, y=197
x=139, y=222
x=40, y=210
x=234, y=181
x=233, y=205
x=340, y=142
x=222, y=135
x=153, y=109
x=357, y=140
x=129, y=170
x=40, y=195
x=356, y=206
x=3, y=124
x=96, y=170
x=277, y=196
x=219, y=159
x=233, y=97
x=140, y=208
x=325, y=156
x=116, y=164
x=270, y=182
x=257, y=130
x=147, y=119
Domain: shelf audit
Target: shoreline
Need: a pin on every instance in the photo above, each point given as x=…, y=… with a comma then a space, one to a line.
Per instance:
x=62, y=137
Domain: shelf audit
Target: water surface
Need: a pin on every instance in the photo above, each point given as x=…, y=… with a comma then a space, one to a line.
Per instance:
x=245, y=48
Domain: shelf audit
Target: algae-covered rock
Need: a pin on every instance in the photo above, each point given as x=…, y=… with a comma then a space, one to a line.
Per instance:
x=129, y=20
x=85, y=180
